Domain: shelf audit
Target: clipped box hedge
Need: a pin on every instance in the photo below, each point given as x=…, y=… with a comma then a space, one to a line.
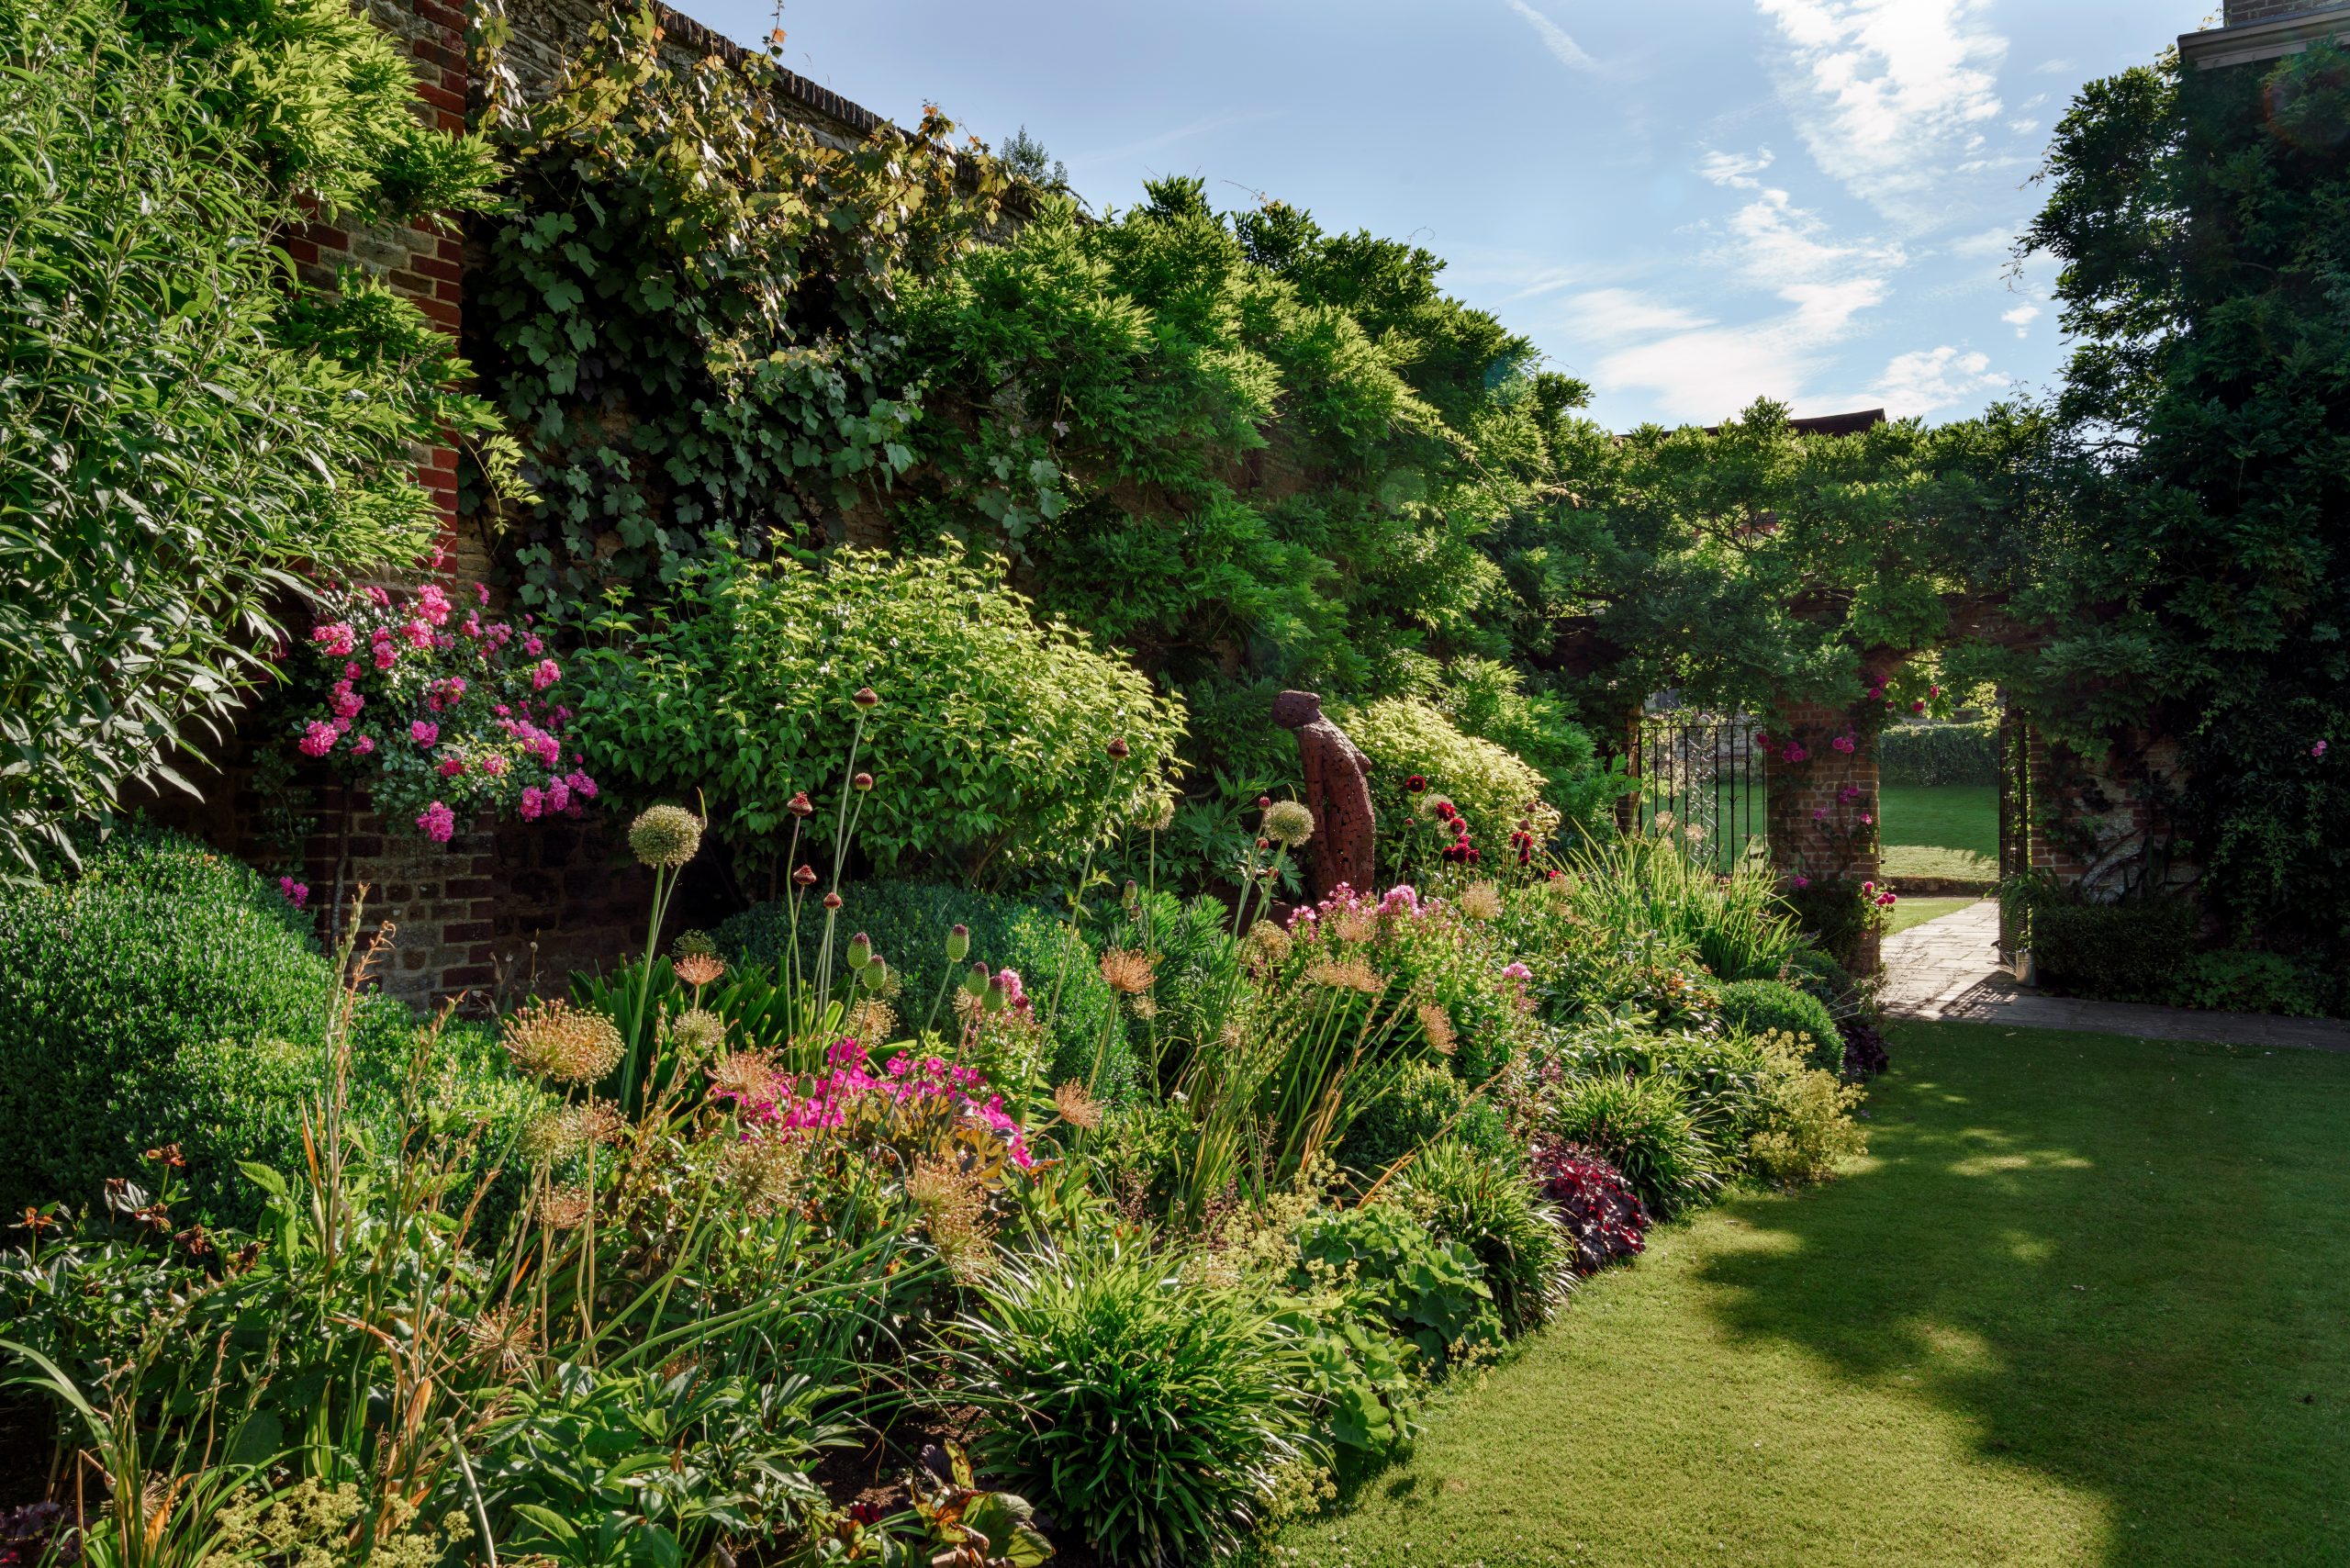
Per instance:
x=1940, y=754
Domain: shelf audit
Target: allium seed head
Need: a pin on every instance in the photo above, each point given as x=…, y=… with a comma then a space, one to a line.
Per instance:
x=699, y=969
x=861, y=783
x=665, y=837
x=1077, y=1107
x=1289, y=823
x=832, y=901
x=1118, y=749
x=690, y=943
x=556, y=1040
x=805, y=877
x=958, y=943
x=699, y=1032
x=801, y=805
x=867, y=697
x=1129, y=973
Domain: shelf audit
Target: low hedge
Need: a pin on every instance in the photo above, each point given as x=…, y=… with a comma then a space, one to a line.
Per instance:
x=1939, y=754
x=1758, y=1007
x=168, y=994
x=2129, y=951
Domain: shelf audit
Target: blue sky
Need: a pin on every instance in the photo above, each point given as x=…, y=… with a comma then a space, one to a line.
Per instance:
x=1689, y=203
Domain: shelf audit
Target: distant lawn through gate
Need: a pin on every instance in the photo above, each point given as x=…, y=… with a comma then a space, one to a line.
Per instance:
x=1942, y=830
x=2081, y=1305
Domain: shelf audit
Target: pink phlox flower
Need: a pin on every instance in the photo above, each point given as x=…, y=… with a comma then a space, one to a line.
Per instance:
x=296, y=894
x=418, y=633
x=845, y=1052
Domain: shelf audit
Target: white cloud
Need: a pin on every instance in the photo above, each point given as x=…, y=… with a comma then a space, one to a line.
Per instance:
x=1555, y=37
x=1990, y=243
x=2051, y=68
x=2022, y=318
x=1735, y=170
x=1926, y=381
x=1892, y=94
x=1780, y=246
x=1613, y=315
x=1166, y=139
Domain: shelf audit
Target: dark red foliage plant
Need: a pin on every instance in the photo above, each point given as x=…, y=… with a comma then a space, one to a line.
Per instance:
x=1597, y=1204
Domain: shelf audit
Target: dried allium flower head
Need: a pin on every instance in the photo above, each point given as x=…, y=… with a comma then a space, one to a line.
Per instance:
x=1350, y=974
x=1127, y=971
x=1268, y=943
x=1146, y=1006
x=1437, y=1025
x=870, y=1019
x=1289, y=823
x=699, y=1032
x=1157, y=814
x=665, y=837
x=1118, y=749
x=1076, y=1105
x=565, y=1208
x=570, y=1045
x=953, y=1210
x=1481, y=901
x=762, y=1171
x=1356, y=925
x=504, y=1339
x=700, y=968
x=561, y=1132
x=693, y=944
x=745, y=1075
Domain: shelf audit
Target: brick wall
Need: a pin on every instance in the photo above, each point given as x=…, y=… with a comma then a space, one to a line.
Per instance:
x=2242, y=13
x=2101, y=823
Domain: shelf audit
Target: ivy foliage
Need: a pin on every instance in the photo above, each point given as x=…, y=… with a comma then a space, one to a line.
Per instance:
x=2199, y=587
x=181, y=425
x=991, y=748
x=690, y=313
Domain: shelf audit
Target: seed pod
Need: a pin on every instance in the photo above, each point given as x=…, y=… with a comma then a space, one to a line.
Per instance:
x=958, y=943
x=805, y=876
x=832, y=901
x=861, y=950
x=866, y=697
x=976, y=982
x=861, y=783
x=997, y=998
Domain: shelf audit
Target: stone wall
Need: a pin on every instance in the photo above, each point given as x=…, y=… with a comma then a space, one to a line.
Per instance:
x=2243, y=13
x=2104, y=824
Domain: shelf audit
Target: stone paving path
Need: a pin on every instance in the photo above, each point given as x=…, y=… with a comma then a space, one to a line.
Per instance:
x=1949, y=969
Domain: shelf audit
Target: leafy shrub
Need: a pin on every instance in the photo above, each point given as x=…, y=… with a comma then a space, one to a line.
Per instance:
x=168, y=994
x=1813, y=972
x=989, y=748
x=1939, y=754
x=1758, y=1007
x=1720, y=1079
x=1487, y=699
x=1388, y=1266
x=1486, y=1202
x=1424, y=1102
x=1493, y=789
x=1641, y=1126
x=247, y=431
x=1365, y=1395
x=1808, y=1128
x=2238, y=981
x=1839, y=914
x=1601, y=1213
x=1151, y=1414
x=2130, y=951
x=909, y=922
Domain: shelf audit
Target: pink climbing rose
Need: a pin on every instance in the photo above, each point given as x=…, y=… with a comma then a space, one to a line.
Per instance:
x=437, y=823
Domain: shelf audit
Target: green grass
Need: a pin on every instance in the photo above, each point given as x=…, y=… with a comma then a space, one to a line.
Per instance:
x=1917, y=911
x=2084, y=1304
x=1947, y=830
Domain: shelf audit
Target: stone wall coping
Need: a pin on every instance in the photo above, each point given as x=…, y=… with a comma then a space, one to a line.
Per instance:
x=2247, y=43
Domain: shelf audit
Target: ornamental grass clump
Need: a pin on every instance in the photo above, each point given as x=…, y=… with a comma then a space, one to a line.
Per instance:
x=1156, y=1417
x=1643, y=1127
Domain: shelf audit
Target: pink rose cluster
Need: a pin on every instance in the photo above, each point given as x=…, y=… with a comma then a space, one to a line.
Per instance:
x=473, y=704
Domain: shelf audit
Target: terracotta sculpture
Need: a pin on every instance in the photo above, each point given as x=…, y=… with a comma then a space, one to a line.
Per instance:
x=1337, y=791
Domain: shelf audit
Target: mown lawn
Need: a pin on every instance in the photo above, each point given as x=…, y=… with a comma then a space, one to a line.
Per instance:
x=1917, y=911
x=1943, y=830
x=2087, y=1302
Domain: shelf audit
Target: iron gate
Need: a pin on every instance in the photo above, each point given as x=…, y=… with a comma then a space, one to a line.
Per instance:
x=1702, y=777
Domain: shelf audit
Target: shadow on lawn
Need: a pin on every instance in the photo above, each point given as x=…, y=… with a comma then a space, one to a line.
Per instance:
x=2127, y=1264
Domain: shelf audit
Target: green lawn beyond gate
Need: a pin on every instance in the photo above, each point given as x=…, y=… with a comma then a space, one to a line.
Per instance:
x=2087, y=1301
x=1942, y=830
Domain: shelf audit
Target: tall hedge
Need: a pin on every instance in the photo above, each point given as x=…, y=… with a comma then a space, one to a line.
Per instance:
x=1939, y=754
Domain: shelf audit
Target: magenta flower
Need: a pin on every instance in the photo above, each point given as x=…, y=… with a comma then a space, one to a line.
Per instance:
x=534, y=802
x=2318, y=750
x=581, y=786
x=363, y=746
x=452, y=767
x=432, y=604
x=1802, y=883
x=481, y=593
x=1843, y=744
x=437, y=823
x=333, y=638
x=317, y=738
x=534, y=647
x=387, y=655
x=382, y=599
x=558, y=795
x=296, y=894
x=493, y=765
x=547, y=673
x=423, y=731
x=1795, y=752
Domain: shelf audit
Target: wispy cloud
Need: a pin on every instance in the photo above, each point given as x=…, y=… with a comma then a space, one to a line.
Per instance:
x=1926, y=381
x=1204, y=125
x=2022, y=318
x=1736, y=169
x=1555, y=38
x=1892, y=95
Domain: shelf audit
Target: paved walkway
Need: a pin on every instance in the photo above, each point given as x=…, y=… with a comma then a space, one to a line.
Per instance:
x=1949, y=969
